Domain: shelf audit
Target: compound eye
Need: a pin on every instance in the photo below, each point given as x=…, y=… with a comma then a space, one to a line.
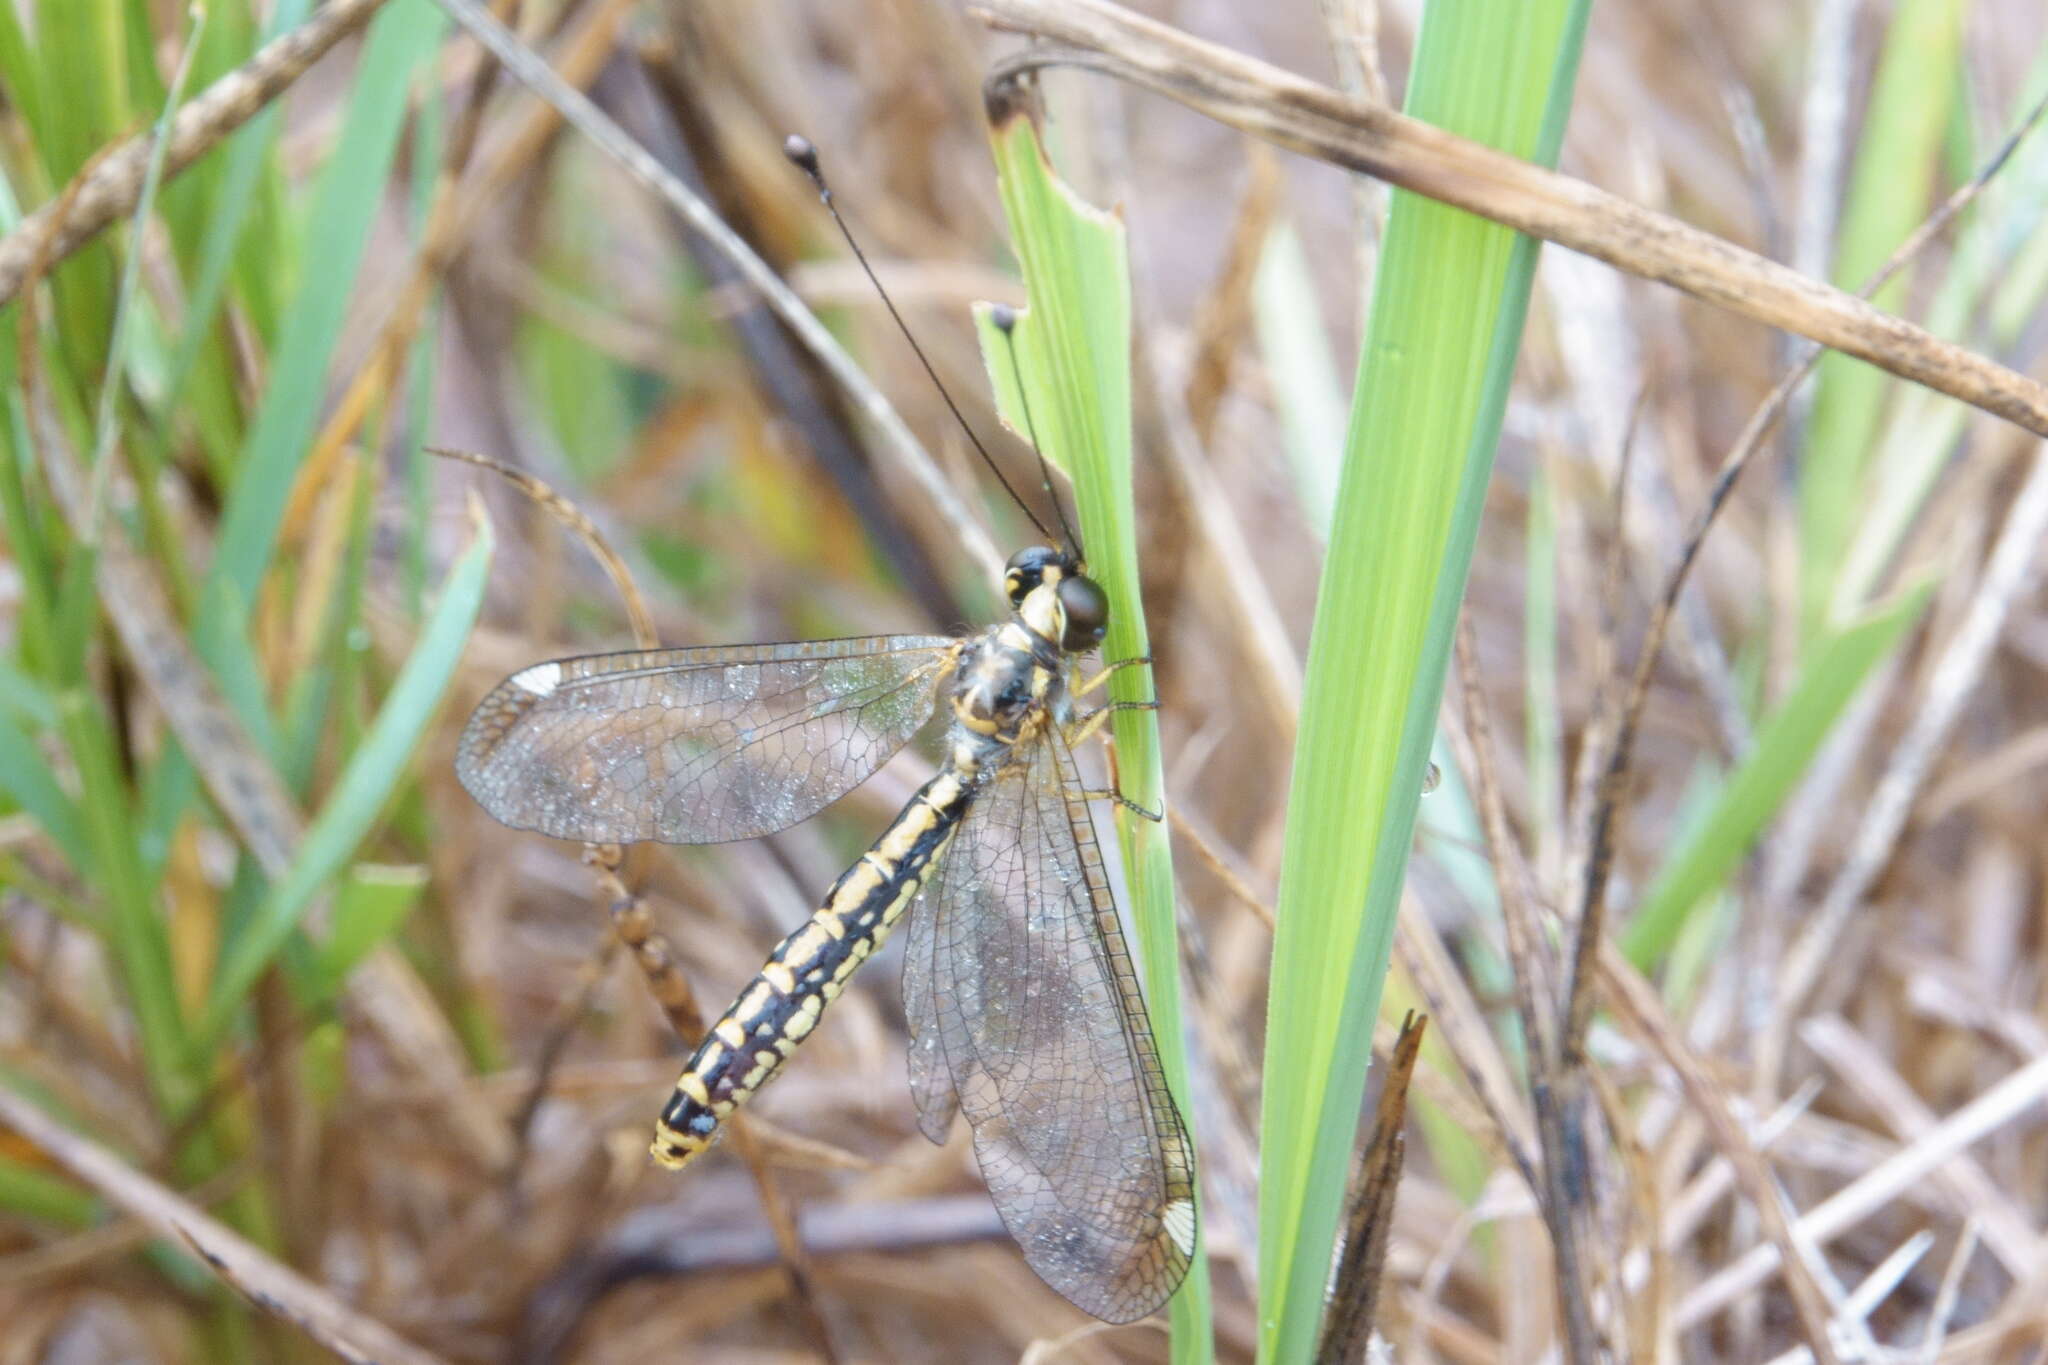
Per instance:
x=1026, y=570
x=1087, y=608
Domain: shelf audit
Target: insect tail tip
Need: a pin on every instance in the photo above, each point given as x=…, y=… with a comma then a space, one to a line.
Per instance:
x=672, y=1149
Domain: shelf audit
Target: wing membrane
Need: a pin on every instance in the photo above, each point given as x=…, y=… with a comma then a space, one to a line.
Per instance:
x=931, y=1080
x=695, y=746
x=1027, y=987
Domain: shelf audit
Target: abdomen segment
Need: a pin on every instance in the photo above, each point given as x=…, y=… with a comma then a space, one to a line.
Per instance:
x=780, y=1007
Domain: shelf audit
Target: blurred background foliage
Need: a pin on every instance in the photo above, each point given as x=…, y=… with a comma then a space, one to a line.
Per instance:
x=255, y=940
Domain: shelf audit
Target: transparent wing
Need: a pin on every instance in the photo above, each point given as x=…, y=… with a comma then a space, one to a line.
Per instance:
x=695, y=746
x=931, y=1080
x=1028, y=989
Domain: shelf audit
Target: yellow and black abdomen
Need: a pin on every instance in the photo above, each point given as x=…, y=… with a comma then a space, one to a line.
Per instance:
x=782, y=1004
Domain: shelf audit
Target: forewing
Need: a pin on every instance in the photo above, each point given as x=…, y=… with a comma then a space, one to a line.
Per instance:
x=1037, y=1010
x=695, y=746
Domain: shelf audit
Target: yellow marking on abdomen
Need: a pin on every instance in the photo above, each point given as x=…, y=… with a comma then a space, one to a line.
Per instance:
x=784, y=1002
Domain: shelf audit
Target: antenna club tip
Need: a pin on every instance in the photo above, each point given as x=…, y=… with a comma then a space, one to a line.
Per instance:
x=802, y=155
x=1004, y=317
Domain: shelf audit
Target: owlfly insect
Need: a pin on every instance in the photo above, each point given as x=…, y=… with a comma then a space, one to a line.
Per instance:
x=1024, y=1008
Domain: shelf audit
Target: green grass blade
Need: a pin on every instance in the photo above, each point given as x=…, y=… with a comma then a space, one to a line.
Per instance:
x=1308, y=395
x=230, y=206
x=1074, y=348
x=29, y=782
x=372, y=903
x=1785, y=744
x=1910, y=102
x=1450, y=293
x=1310, y=402
x=402, y=40
x=137, y=939
x=121, y=348
x=1999, y=267
x=373, y=770
x=30, y=1192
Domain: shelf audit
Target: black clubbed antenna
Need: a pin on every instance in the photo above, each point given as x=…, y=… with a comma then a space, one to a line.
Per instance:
x=805, y=157
x=1005, y=319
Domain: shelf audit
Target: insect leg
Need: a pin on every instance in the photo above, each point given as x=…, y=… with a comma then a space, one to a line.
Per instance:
x=1111, y=794
x=1108, y=670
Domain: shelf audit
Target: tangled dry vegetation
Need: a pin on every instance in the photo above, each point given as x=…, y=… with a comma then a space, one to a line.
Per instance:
x=1822, y=1017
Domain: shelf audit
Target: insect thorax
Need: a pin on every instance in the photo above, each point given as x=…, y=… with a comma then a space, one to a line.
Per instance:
x=1010, y=683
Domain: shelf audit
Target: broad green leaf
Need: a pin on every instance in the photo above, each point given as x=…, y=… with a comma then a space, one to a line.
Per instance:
x=1450, y=293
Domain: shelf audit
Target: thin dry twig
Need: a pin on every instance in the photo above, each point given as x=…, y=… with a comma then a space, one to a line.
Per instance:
x=1202, y=840
x=1317, y=121
x=572, y=519
x=1464, y=1030
x=111, y=185
x=1557, y=1096
x=269, y=1284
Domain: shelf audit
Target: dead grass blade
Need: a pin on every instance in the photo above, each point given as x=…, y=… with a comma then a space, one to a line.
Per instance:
x=1369, y=1224
x=1317, y=121
x=270, y=1285
x=1879, y=1187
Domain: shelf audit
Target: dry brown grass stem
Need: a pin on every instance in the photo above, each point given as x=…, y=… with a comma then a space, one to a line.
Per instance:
x=1557, y=1090
x=111, y=185
x=1466, y=1032
x=1642, y=1014
x=1353, y=1311
x=1316, y=121
x=275, y=1288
